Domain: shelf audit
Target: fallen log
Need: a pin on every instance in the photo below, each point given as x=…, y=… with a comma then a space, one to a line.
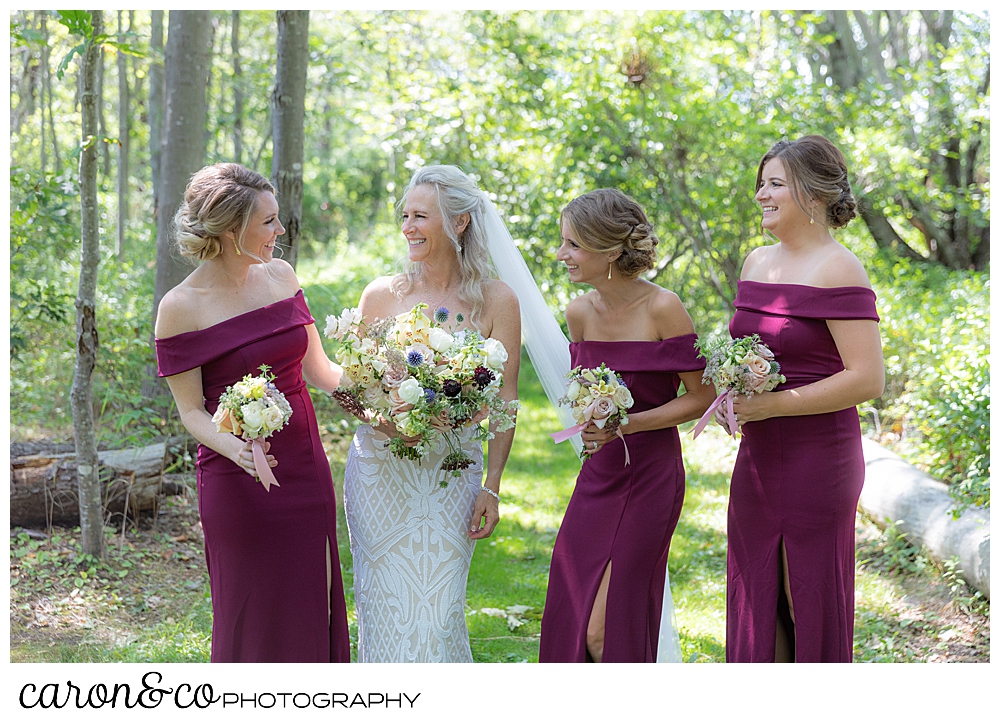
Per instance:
x=43, y=483
x=896, y=492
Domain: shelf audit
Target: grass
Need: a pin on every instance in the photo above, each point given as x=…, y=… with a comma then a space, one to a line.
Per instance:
x=149, y=601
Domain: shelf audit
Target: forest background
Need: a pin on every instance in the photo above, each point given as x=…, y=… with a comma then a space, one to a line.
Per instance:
x=674, y=108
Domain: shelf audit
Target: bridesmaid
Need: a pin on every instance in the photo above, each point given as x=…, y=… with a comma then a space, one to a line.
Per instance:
x=606, y=581
x=273, y=565
x=798, y=475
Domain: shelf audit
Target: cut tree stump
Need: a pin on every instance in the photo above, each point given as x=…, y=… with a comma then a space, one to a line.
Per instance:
x=43, y=481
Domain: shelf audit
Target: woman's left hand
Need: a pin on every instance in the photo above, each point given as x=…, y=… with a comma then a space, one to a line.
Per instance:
x=594, y=438
x=485, y=516
x=752, y=409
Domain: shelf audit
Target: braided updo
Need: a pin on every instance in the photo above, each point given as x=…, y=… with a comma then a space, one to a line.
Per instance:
x=817, y=170
x=606, y=220
x=217, y=199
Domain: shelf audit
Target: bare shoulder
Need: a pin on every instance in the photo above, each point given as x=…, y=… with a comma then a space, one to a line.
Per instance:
x=578, y=310
x=178, y=311
x=377, y=297
x=282, y=272
x=669, y=314
x=842, y=268
x=579, y=307
x=755, y=259
x=499, y=295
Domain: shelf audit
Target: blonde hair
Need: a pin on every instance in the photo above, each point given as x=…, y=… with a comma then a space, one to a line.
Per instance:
x=817, y=170
x=218, y=198
x=456, y=194
x=605, y=221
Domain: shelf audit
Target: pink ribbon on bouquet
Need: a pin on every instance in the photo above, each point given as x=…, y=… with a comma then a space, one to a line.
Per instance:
x=727, y=397
x=565, y=434
x=264, y=472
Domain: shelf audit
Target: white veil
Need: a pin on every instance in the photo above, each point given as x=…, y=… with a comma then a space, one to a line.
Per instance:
x=548, y=348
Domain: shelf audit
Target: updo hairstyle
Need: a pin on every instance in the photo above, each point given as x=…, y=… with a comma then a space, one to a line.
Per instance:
x=606, y=220
x=456, y=194
x=817, y=170
x=217, y=199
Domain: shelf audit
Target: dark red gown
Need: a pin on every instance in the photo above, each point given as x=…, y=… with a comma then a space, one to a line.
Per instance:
x=618, y=514
x=796, y=479
x=266, y=551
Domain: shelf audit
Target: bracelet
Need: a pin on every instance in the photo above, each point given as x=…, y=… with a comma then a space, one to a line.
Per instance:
x=486, y=489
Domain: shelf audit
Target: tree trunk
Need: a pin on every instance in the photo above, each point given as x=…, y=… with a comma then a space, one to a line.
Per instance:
x=102, y=129
x=47, y=93
x=897, y=493
x=288, y=111
x=183, y=147
x=81, y=394
x=124, y=128
x=155, y=103
x=237, y=90
x=43, y=488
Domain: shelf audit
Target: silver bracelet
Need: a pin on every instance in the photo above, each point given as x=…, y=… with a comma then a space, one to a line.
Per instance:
x=484, y=488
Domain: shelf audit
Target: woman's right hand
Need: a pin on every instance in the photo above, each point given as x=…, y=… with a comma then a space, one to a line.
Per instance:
x=244, y=458
x=386, y=427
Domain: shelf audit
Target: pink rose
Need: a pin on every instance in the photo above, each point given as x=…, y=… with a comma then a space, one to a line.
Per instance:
x=759, y=374
x=394, y=376
x=398, y=403
x=442, y=422
x=603, y=408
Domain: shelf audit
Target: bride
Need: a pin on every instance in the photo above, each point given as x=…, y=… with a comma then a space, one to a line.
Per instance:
x=411, y=538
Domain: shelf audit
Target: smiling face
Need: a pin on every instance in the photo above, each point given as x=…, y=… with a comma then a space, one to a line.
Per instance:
x=264, y=228
x=583, y=267
x=782, y=214
x=423, y=225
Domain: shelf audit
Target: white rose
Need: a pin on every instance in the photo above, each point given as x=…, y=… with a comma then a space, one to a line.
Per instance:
x=496, y=355
x=273, y=418
x=411, y=391
x=573, y=390
x=375, y=398
x=440, y=340
x=332, y=329
x=622, y=397
x=253, y=418
x=402, y=422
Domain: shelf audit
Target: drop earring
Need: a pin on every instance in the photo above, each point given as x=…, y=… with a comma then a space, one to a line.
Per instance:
x=609, y=270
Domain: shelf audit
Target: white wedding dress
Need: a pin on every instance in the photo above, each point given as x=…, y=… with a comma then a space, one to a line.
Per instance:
x=411, y=549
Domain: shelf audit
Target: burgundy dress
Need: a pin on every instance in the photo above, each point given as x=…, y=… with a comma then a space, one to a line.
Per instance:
x=618, y=514
x=266, y=551
x=796, y=479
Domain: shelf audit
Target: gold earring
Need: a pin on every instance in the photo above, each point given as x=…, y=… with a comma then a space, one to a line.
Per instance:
x=237, y=247
x=610, y=265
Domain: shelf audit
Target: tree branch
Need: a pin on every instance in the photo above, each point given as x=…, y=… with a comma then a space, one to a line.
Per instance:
x=882, y=231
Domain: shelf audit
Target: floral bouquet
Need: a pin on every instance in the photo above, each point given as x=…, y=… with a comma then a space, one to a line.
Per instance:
x=254, y=409
x=596, y=396
x=737, y=366
x=429, y=381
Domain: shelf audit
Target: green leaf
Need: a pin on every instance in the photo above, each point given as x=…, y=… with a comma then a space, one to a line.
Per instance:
x=78, y=22
x=77, y=50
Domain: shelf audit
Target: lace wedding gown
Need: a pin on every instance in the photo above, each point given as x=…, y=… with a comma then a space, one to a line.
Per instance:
x=411, y=549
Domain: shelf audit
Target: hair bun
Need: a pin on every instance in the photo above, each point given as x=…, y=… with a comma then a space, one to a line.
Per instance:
x=842, y=211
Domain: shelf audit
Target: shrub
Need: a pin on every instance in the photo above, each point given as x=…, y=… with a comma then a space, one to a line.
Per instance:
x=935, y=336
